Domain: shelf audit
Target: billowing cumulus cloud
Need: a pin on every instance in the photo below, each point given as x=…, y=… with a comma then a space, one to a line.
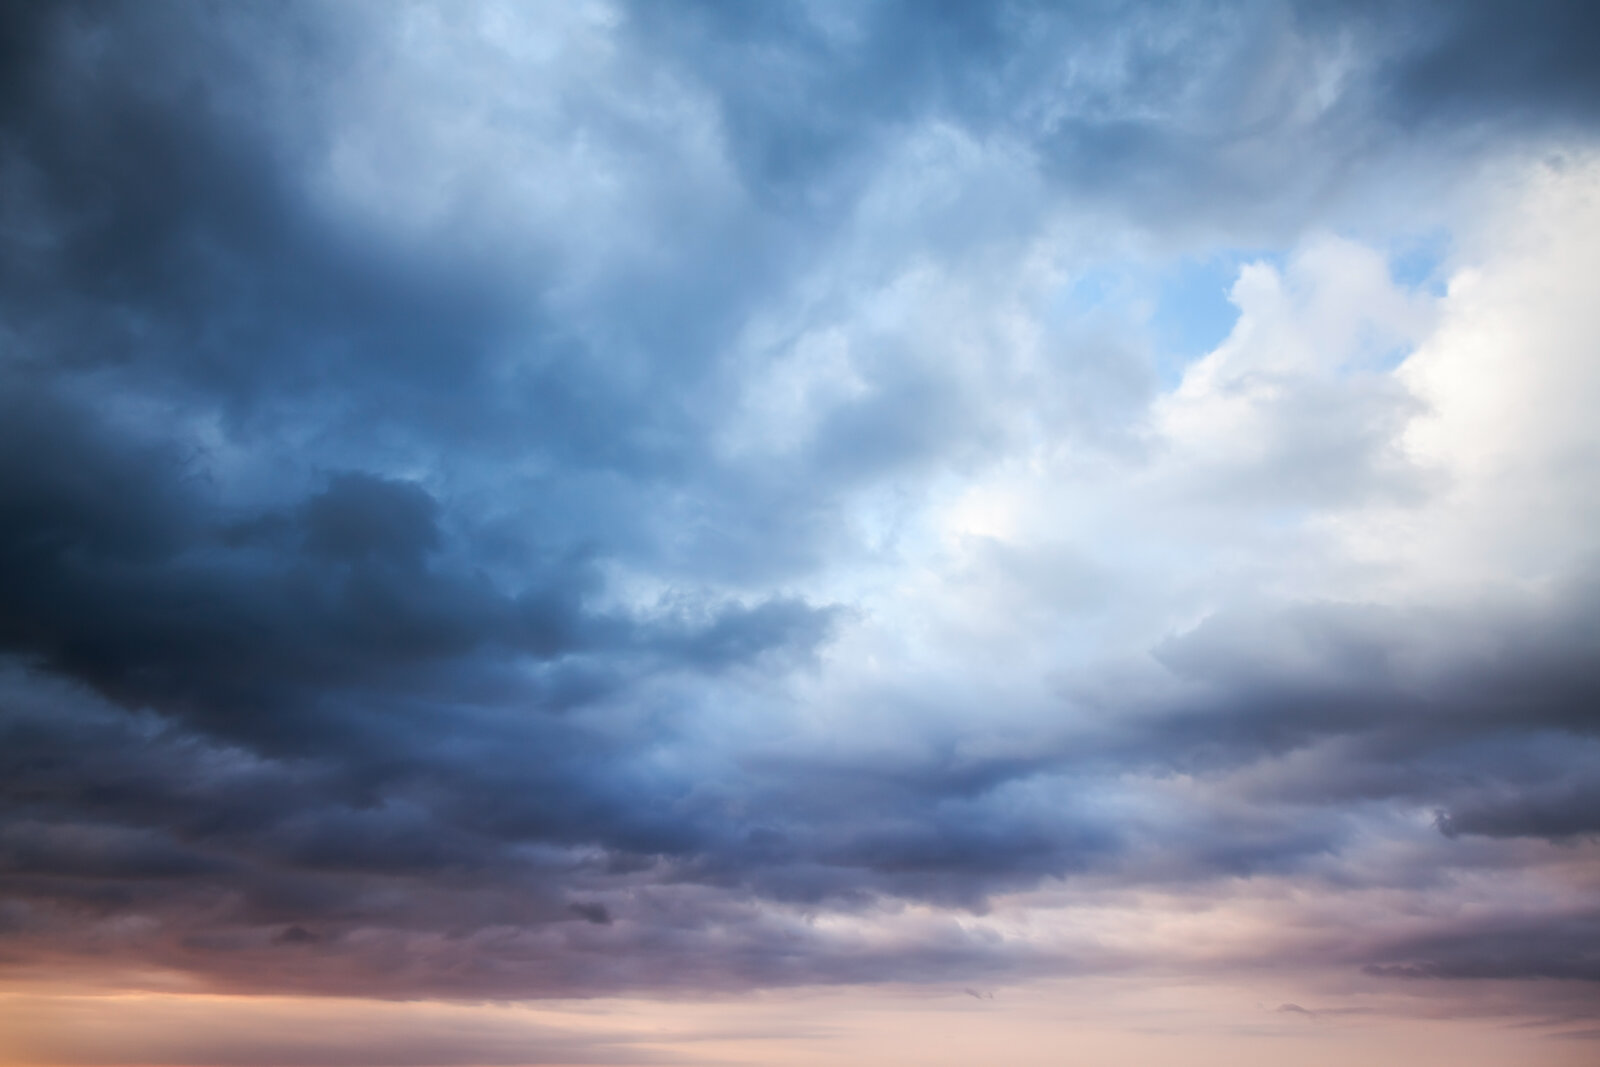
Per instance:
x=526, y=501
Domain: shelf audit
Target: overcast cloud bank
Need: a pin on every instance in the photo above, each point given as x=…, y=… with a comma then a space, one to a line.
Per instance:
x=562, y=501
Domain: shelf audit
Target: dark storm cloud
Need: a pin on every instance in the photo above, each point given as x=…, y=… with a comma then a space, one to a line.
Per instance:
x=329, y=690
x=184, y=271
x=1556, y=810
x=1269, y=681
x=172, y=246
x=1178, y=116
x=1477, y=60
x=119, y=574
x=1488, y=721
x=1549, y=946
x=318, y=665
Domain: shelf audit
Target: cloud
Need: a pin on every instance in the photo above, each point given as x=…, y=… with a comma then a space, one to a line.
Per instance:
x=1474, y=59
x=527, y=503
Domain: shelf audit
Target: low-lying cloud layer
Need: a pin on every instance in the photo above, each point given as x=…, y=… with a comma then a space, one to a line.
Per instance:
x=518, y=501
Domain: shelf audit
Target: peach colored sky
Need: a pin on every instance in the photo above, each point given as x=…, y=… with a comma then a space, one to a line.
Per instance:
x=1100, y=1023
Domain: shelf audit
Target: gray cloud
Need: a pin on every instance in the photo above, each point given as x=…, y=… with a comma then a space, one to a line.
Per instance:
x=385, y=609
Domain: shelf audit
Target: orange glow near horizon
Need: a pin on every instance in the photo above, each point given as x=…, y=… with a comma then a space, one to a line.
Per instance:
x=1094, y=1023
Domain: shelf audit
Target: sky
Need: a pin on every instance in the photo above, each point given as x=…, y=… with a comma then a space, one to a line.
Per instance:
x=798, y=533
